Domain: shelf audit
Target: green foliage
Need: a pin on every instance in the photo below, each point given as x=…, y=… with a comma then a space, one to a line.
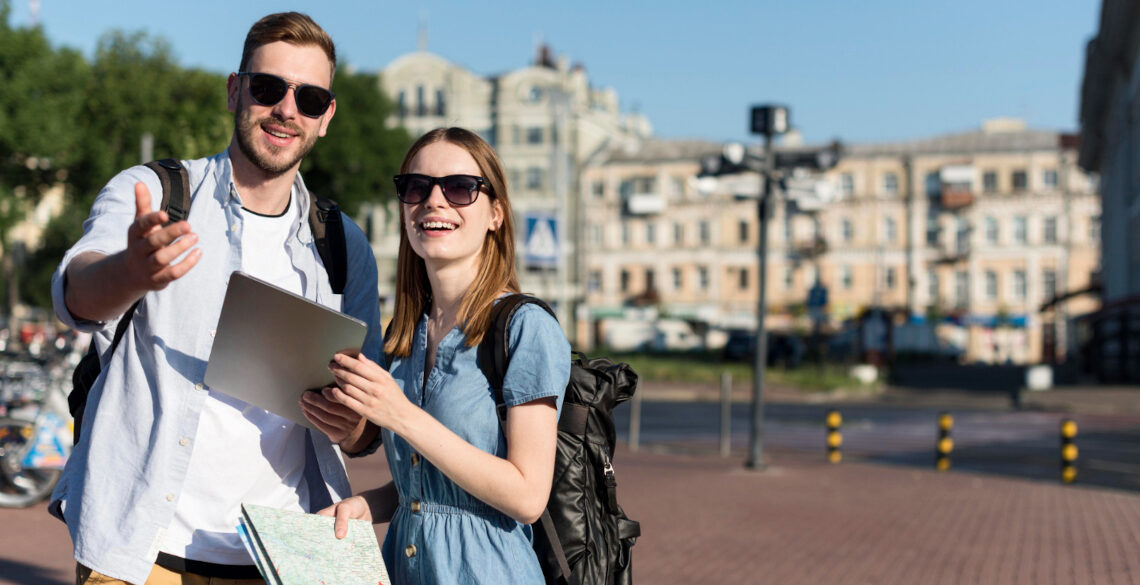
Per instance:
x=354, y=163
x=706, y=368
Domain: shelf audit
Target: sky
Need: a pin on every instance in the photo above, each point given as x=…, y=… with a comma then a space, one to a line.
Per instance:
x=859, y=71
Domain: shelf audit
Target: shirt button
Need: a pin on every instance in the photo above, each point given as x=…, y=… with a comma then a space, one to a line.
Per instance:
x=415, y=459
x=170, y=497
x=416, y=507
x=198, y=386
x=183, y=441
x=213, y=332
x=410, y=550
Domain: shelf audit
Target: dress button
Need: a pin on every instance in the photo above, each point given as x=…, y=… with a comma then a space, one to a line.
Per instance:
x=416, y=507
x=410, y=550
x=183, y=441
x=198, y=386
x=415, y=459
x=170, y=497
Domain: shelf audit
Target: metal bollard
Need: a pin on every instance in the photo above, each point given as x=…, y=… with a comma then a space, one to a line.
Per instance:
x=834, y=437
x=945, y=443
x=725, y=414
x=1068, y=451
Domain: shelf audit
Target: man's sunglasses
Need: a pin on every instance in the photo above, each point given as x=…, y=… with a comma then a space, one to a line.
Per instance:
x=459, y=190
x=265, y=89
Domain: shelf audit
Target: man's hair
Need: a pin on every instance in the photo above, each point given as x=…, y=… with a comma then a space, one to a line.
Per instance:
x=291, y=27
x=497, y=262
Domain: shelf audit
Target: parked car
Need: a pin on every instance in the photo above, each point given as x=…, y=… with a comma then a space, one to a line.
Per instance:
x=783, y=348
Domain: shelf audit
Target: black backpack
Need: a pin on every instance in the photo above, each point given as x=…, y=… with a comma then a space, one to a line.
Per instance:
x=328, y=235
x=584, y=537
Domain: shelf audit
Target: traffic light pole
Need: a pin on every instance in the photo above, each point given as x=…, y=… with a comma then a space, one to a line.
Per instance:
x=760, y=359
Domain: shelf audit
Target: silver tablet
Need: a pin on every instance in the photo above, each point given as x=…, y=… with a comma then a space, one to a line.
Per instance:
x=272, y=345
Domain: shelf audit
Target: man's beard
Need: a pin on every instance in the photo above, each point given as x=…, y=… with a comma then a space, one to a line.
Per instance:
x=247, y=130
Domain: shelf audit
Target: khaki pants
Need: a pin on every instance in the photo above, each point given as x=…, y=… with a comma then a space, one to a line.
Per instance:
x=158, y=576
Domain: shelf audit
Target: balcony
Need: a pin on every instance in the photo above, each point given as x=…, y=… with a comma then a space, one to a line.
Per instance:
x=945, y=254
x=956, y=197
x=809, y=248
x=644, y=204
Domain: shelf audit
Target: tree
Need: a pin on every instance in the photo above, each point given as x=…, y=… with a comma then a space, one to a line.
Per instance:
x=40, y=97
x=355, y=162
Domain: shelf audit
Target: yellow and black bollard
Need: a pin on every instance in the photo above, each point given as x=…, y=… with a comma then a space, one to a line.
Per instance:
x=945, y=443
x=834, y=437
x=1068, y=451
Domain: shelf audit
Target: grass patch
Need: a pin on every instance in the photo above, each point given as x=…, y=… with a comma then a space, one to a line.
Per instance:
x=706, y=367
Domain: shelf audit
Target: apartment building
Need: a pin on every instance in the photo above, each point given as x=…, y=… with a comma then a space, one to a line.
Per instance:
x=546, y=121
x=978, y=231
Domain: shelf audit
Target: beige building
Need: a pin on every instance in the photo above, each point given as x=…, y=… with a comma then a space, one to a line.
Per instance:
x=973, y=230
x=545, y=121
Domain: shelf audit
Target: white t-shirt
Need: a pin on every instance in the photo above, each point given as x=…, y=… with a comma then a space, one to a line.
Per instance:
x=242, y=454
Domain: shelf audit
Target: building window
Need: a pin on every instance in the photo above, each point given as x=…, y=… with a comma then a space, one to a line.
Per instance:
x=624, y=280
x=677, y=279
x=933, y=184
x=1049, y=284
x=989, y=182
x=421, y=102
x=1049, y=178
x=845, y=277
x=625, y=235
x=706, y=233
x=703, y=277
x=677, y=188
x=534, y=178
x=1021, y=229
x=1019, y=285
x=962, y=238
x=991, y=230
x=933, y=229
x=848, y=230
x=789, y=229
x=596, y=235
x=932, y=288
x=891, y=184
x=534, y=135
x=743, y=231
x=598, y=189
x=516, y=134
x=1049, y=233
x=847, y=185
x=991, y=284
x=650, y=279
x=890, y=277
x=678, y=233
x=1094, y=229
x=440, y=103
x=402, y=103
x=891, y=230
x=789, y=278
x=595, y=282
x=651, y=233
x=1020, y=180
x=743, y=279
x=962, y=288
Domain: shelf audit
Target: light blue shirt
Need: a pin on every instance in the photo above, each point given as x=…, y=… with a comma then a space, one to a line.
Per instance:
x=458, y=539
x=120, y=488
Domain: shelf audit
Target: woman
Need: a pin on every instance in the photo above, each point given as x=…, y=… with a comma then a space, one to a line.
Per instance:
x=465, y=485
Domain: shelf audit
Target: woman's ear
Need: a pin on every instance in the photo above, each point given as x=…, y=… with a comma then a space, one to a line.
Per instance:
x=496, y=216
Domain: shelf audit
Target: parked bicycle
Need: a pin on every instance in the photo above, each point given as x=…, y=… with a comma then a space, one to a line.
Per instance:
x=35, y=429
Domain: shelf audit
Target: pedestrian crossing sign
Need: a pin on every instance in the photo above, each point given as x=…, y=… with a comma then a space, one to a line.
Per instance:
x=540, y=244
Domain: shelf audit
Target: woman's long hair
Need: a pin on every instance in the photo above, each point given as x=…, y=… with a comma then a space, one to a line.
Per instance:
x=496, y=264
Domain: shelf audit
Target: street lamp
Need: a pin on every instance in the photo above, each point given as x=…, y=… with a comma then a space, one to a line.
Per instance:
x=769, y=120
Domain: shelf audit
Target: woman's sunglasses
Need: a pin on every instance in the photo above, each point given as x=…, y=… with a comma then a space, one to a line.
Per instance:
x=265, y=89
x=459, y=190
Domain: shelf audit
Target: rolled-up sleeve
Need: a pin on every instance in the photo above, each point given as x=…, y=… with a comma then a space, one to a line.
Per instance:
x=105, y=232
x=540, y=358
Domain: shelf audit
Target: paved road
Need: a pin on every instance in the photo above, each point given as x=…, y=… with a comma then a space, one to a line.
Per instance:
x=1000, y=441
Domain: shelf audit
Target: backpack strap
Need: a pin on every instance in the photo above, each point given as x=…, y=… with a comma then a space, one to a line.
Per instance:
x=328, y=235
x=493, y=358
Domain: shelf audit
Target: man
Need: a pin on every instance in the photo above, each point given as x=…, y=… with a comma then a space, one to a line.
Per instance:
x=152, y=491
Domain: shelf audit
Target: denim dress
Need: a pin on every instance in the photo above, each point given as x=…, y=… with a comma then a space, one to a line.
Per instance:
x=440, y=533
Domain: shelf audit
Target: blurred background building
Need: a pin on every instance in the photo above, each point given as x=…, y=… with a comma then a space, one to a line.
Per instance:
x=1110, y=144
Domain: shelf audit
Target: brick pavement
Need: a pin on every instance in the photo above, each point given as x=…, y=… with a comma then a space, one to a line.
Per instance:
x=706, y=520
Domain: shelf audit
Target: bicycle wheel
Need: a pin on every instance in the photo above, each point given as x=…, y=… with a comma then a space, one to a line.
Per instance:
x=20, y=487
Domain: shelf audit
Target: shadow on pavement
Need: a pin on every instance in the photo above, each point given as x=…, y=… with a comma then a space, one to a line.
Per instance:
x=17, y=572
